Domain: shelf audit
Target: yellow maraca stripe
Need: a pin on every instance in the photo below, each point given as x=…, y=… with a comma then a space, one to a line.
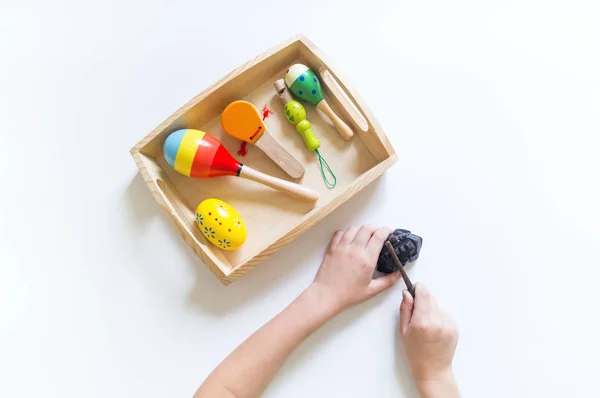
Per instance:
x=187, y=151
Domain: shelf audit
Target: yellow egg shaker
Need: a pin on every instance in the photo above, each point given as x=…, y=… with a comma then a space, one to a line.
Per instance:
x=296, y=114
x=221, y=224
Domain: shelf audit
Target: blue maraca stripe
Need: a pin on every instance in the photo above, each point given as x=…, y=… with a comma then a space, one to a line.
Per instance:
x=171, y=146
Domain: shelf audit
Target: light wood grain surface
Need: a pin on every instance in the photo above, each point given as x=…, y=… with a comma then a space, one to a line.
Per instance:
x=277, y=153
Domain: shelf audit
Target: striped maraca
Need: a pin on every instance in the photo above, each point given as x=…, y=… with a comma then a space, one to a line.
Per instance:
x=305, y=85
x=197, y=154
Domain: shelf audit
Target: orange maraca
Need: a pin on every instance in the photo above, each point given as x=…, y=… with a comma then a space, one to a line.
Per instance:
x=241, y=120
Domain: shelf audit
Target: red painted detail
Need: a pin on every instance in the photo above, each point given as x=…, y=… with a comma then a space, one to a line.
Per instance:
x=266, y=112
x=243, y=150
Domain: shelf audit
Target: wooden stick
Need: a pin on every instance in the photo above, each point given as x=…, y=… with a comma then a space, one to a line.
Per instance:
x=290, y=188
x=409, y=285
x=279, y=155
x=345, y=131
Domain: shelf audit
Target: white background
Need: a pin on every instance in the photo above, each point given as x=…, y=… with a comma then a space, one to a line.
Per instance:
x=493, y=108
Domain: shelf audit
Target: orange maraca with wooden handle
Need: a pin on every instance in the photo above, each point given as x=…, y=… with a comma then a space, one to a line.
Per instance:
x=197, y=154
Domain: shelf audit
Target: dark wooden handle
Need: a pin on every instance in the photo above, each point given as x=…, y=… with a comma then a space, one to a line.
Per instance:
x=409, y=285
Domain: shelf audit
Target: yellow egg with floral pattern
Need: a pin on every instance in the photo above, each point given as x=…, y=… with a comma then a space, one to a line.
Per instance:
x=221, y=224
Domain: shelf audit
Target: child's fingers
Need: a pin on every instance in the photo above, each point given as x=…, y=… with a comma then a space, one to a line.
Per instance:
x=335, y=239
x=364, y=234
x=376, y=242
x=383, y=283
x=406, y=310
x=349, y=235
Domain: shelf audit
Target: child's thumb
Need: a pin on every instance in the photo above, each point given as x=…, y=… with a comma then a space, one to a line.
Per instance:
x=382, y=283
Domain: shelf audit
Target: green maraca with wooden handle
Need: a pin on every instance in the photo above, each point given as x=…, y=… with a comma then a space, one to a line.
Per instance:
x=296, y=114
x=305, y=85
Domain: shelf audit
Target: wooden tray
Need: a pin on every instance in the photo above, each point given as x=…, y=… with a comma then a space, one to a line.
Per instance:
x=272, y=218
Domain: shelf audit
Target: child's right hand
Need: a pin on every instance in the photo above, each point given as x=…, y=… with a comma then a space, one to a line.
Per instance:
x=429, y=337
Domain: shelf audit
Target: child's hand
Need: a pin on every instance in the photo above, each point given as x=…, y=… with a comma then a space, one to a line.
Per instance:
x=345, y=276
x=429, y=337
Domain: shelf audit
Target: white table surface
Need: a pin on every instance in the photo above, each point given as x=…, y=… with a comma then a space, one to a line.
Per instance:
x=494, y=110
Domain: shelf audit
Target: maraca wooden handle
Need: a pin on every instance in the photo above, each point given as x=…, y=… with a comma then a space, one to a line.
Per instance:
x=345, y=131
x=295, y=190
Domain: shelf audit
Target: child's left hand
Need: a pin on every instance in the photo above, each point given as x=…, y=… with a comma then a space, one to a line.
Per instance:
x=345, y=276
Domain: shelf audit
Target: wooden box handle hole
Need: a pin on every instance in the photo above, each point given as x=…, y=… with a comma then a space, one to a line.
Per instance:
x=337, y=90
